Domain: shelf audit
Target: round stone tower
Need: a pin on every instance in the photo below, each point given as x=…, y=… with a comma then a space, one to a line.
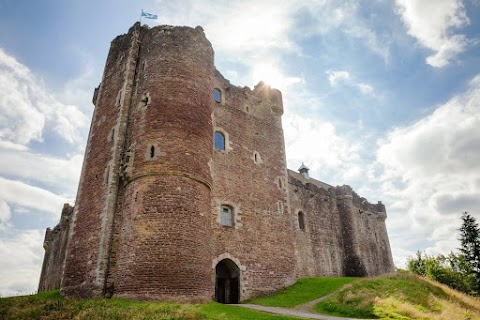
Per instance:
x=163, y=245
x=142, y=225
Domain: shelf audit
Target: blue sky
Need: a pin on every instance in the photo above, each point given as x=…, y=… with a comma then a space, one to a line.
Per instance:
x=381, y=95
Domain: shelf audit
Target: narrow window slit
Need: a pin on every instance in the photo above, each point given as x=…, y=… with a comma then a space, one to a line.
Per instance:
x=301, y=221
x=152, y=151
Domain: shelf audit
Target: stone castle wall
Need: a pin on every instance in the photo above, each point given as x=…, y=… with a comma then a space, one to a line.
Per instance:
x=343, y=234
x=250, y=176
x=164, y=243
x=55, y=245
x=147, y=220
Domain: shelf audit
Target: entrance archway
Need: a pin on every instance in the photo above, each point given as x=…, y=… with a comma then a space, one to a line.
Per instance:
x=227, y=282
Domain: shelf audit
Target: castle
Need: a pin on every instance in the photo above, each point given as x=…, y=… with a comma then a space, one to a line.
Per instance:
x=184, y=192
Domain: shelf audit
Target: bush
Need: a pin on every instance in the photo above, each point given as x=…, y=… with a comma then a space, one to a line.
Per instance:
x=452, y=270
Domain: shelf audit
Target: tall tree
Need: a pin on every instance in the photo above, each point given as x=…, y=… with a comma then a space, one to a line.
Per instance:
x=470, y=241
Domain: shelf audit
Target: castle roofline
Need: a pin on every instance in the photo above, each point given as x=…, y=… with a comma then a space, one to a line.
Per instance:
x=316, y=182
x=303, y=167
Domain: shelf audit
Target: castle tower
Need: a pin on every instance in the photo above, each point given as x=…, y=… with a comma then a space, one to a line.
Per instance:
x=185, y=194
x=141, y=225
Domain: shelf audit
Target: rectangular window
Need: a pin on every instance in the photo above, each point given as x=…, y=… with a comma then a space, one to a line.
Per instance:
x=226, y=216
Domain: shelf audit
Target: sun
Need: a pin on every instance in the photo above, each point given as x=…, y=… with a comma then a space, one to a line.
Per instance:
x=269, y=74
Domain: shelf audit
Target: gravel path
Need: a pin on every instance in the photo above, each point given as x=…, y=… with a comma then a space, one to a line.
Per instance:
x=302, y=311
x=308, y=307
x=291, y=312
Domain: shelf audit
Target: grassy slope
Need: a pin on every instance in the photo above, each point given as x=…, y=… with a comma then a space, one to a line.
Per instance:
x=400, y=296
x=303, y=291
x=50, y=305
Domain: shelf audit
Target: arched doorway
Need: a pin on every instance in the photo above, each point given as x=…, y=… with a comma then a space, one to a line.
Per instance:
x=227, y=282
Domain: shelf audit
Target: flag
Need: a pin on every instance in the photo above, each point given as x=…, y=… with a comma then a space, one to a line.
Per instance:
x=149, y=15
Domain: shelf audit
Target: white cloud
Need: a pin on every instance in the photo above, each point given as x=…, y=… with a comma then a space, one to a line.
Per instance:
x=12, y=146
x=21, y=253
x=254, y=32
x=246, y=27
x=334, y=77
x=331, y=16
x=57, y=173
x=24, y=195
x=271, y=75
x=337, y=77
x=432, y=170
x=365, y=88
x=432, y=23
x=5, y=214
x=316, y=143
x=27, y=108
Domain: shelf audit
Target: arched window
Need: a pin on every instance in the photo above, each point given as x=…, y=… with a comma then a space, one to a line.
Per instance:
x=301, y=221
x=217, y=95
x=219, y=140
x=226, y=216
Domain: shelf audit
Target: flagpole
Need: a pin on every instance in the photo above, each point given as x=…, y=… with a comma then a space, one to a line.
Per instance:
x=141, y=17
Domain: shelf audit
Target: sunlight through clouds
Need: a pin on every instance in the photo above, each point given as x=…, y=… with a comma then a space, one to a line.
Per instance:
x=272, y=76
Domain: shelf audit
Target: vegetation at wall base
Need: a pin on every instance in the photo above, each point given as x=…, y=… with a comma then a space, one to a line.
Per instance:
x=400, y=296
x=303, y=291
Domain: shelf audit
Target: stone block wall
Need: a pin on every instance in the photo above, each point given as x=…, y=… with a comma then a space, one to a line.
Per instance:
x=55, y=245
x=344, y=235
x=250, y=176
x=164, y=239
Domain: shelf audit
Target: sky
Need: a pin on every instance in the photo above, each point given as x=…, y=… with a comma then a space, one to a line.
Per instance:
x=381, y=95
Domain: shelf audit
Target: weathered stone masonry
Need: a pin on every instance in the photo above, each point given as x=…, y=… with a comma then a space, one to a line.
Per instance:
x=162, y=214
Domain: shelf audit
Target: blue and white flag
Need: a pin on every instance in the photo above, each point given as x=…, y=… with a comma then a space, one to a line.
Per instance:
x=149, y=15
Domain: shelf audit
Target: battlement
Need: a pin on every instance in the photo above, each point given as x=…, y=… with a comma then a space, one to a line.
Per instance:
x=262, y=102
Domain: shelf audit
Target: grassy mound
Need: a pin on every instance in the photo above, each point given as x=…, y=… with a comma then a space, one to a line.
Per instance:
x=51, y=305
x=303, y=291
x=400, y=296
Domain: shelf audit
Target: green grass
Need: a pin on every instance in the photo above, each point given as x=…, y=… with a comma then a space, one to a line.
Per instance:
x=303, y=291
x=400, y=296
x=51, y=305
x=219, y=311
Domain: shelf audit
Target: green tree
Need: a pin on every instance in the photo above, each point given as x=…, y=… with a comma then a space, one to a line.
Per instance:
x=470, y=241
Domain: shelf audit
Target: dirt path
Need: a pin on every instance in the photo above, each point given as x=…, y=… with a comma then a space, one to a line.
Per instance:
x=308, y=307
x=293, y=312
